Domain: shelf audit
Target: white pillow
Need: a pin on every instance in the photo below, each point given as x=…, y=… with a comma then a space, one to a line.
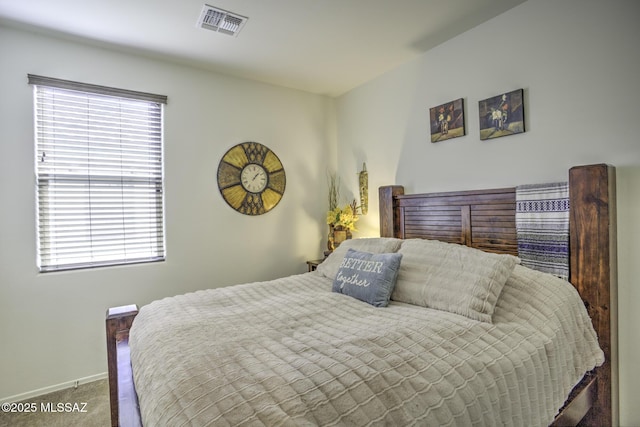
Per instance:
x=375, y=245
x=451, y=277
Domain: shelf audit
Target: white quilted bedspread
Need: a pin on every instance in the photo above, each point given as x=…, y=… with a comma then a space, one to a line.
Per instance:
x=290, y=352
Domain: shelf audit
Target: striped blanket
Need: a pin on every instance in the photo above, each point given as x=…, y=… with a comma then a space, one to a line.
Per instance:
x=542, y=225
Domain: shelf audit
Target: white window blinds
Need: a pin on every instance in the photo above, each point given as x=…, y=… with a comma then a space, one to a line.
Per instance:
x=99, y=175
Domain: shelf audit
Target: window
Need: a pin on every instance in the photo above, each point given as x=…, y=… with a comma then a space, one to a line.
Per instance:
x=99, y=175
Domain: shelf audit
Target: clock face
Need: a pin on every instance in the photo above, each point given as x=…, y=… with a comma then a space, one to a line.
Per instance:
x=251, y=178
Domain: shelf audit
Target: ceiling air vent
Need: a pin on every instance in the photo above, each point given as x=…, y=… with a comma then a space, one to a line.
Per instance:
x=221, y=21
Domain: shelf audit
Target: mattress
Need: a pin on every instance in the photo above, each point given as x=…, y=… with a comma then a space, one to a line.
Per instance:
x=289, y=352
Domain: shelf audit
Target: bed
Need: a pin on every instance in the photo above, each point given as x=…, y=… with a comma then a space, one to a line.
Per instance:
x=297, y=351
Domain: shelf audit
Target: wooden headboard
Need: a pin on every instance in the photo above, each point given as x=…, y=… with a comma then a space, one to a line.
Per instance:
x=485, y=219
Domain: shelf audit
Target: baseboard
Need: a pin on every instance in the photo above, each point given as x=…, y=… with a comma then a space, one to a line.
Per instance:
x=51, y=389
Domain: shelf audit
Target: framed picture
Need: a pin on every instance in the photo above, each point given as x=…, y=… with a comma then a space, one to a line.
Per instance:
x=447, y=120
x=501, y=115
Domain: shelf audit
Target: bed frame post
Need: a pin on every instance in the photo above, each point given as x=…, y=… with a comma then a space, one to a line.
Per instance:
x=122, y=393
x=389, y=224
x=593, y=273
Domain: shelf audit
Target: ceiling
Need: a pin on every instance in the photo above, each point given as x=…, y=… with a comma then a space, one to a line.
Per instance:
x=321, y=46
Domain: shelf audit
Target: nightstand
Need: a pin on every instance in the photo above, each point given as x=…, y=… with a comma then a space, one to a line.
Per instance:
x=313, y=264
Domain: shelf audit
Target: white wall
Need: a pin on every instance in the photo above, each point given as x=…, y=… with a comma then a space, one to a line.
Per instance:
x=578, y=63
x=52, y=325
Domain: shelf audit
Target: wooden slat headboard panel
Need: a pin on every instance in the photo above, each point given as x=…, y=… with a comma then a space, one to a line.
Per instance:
x=483, y=219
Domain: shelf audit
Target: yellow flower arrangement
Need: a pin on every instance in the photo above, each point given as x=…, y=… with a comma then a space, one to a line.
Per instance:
x=341, y=220
x=343, y=217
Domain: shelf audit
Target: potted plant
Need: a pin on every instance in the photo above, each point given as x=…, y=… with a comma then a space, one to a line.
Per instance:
x=341, y=221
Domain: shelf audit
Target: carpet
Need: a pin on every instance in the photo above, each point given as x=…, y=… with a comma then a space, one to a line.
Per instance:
x=86, y=405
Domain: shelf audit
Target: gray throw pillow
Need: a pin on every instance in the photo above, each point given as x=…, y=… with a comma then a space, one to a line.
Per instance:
x=368, y=277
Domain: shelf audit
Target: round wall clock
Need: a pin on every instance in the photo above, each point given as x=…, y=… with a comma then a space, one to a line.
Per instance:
x=251, y=178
